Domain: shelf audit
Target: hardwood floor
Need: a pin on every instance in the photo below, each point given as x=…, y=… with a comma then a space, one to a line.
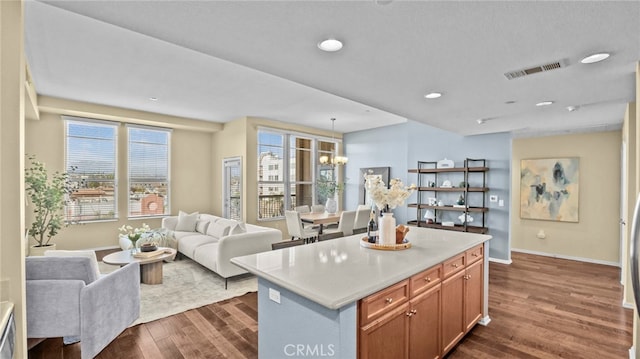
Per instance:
x=544, y=307
x=540, y=307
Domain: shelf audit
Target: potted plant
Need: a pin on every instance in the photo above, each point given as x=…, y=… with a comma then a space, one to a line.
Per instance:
x=48, y=196
x=327, y=189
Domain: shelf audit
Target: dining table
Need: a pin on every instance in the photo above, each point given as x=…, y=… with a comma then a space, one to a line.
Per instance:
x=320, y=218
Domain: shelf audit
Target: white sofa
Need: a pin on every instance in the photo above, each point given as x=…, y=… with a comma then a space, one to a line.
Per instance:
x=215, y=240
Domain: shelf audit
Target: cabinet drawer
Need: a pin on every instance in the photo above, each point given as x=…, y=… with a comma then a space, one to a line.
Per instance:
x=383, y=301
x=425, y=280
x=454, y=264
x=475, y=254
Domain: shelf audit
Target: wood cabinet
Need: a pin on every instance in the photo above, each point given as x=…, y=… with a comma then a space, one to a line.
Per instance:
x=387, y=336
x=425, y=315
x=467, y=183
x=424, y=324
x=462, y=296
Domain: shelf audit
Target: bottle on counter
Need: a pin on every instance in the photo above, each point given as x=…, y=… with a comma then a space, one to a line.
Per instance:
x=372, y=229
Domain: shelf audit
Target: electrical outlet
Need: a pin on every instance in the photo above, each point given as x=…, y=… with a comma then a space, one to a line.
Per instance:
x=274, y=295
x=493, y=198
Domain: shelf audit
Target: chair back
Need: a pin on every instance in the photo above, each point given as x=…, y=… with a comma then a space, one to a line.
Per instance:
x=347, y=221
x=362, y=218
x=294, y=224
x=286, y=244
x=303, y=209
x=317, y=208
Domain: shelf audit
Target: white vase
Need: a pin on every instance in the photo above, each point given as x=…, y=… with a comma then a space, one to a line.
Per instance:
x=35, y=251
x=387, y=229
x=331, y=206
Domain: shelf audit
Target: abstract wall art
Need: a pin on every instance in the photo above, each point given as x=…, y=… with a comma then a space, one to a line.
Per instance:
x=549, y=189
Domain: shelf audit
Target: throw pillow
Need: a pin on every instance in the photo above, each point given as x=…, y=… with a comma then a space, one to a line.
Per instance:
x=187, y=222
x=89, y=254
x=218, y=230
x=201, y=226
x=238, y=228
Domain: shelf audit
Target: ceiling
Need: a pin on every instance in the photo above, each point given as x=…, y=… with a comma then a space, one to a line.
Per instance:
x=222, y=60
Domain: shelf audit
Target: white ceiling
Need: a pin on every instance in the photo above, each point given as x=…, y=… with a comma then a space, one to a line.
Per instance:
x=221, y=60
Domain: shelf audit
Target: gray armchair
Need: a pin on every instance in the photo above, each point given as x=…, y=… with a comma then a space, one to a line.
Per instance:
x=67, y=298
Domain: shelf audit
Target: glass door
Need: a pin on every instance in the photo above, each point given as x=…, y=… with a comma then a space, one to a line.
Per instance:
x=232, y=188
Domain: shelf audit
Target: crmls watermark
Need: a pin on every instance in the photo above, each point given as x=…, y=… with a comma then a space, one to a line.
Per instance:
x=308, y=350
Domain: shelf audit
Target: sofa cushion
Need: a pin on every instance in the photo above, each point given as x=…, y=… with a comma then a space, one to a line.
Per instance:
x=187, y=245
x=239, y=228
x=89, y=254
x=207, y=255
x=218, y=229
x=202, y=225
x=187, y=222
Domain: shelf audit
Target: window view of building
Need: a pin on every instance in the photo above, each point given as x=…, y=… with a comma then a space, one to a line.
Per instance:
x=287, y=173
x=148, y=171
x=91, y=164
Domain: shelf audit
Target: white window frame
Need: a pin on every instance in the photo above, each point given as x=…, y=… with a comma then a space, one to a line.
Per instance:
x=167, y=210
x=287, y=183
x=88, y=121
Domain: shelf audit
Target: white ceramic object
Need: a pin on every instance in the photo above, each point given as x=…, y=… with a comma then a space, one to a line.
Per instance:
x=387, y=229
x=331, y=206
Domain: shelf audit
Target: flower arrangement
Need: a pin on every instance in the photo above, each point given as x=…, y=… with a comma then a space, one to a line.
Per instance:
x=134, y=233
x=382, y=196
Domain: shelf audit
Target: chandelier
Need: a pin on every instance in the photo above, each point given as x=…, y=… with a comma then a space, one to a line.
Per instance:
x=334, y=160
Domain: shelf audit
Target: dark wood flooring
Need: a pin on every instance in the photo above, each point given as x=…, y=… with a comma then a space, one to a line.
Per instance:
x=540, y=307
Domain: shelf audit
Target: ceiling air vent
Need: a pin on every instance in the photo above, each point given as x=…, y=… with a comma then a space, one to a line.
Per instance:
x=532, y=70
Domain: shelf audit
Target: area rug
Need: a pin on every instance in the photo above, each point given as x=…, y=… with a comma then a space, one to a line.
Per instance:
x=185, y=285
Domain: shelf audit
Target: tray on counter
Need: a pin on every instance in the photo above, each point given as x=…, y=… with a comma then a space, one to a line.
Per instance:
x=385, y=247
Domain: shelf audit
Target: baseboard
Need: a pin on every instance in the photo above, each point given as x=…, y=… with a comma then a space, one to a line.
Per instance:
x=632, y=352
x=579, y=259
x=502, y=261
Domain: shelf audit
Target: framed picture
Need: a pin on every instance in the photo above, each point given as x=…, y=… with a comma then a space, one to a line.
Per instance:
x=550, y=189
x=383, y=172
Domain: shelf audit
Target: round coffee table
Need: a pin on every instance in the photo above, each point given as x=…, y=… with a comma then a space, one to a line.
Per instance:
x=150, y=268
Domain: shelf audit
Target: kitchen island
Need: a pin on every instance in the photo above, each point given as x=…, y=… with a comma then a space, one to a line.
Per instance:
x=331, y=298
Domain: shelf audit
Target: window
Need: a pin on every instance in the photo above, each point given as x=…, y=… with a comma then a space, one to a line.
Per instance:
x=90, y=160
x=148, y=160
x=287, y=170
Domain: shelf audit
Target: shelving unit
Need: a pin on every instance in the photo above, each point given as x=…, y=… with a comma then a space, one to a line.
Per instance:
x=430, y=178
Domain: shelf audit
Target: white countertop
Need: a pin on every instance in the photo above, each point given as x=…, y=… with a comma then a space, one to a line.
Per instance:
x=337, y=272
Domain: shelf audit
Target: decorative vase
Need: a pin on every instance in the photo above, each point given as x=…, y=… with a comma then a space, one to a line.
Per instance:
x=387, y=229
x=331, y=206
x=35, y=251
x=124, y=241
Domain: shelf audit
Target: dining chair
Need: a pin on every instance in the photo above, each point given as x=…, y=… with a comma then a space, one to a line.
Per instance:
x=286, y=244
x=295, y=228
x=362, y=218
x=345, y=226
x=327, y=236
x=317, y=208
x=303, y=209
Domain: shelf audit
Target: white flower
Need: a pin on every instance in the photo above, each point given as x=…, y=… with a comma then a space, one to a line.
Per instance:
x=382, y=196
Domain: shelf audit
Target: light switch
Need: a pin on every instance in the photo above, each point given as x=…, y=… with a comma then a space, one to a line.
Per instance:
x=493, y=198
x=274, y=295
x=501, y=203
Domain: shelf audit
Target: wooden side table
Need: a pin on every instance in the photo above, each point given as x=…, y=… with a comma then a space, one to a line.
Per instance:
x=150, y=268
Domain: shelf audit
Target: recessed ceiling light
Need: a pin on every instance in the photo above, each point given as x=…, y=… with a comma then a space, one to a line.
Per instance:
x=433, y=95
x=544, y=103
x=595, y=58
x=481, y=121
x=573, y=108
x=510, y=102
x=330, y=45
x=153, y=98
